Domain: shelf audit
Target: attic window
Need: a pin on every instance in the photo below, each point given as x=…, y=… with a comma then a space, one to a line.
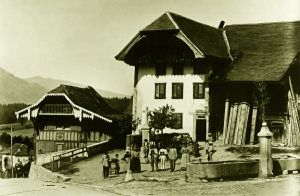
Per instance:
x=178, y=69
x=160, y=70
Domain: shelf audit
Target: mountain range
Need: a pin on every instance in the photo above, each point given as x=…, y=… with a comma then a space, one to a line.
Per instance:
x=18, y=90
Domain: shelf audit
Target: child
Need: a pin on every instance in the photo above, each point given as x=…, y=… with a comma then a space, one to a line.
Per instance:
x=154, y=157
x=163, y=157
x=117, y=164
x=210, y=151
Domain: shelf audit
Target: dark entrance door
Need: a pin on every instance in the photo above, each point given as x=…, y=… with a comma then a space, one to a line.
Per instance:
x=201, y=129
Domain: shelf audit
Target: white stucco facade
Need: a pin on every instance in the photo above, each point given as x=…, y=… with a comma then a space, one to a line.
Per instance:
x=191, y=108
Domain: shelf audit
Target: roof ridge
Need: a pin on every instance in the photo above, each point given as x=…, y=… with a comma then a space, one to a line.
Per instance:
x=263, y=23
x=172, y=13
x=172, y=19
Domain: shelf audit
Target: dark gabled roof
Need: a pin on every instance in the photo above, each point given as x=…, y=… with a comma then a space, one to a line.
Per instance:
x=209, y=41
x=86, y=98
x=262, y=51
x=164, y=22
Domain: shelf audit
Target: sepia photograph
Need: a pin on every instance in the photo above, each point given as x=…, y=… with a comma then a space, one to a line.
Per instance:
x=149, y=97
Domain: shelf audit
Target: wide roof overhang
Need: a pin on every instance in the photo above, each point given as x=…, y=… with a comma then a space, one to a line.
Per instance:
x=176, y=34
x=79, y=112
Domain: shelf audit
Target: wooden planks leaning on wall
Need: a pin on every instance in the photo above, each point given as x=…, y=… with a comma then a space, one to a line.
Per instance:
x=236, y=123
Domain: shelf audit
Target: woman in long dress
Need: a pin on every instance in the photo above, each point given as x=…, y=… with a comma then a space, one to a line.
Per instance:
x=184, y=157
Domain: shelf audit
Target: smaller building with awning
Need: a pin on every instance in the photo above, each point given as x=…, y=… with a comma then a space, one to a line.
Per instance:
x=69, y=117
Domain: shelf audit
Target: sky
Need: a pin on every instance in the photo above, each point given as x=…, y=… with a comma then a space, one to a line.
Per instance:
x=77, y=40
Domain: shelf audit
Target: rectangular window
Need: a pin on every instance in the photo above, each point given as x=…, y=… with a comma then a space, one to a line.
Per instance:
x=160, y=70
x=177, y=90
x=178, y=69
x=178, y=117
x=160, y=90
x=198, y=91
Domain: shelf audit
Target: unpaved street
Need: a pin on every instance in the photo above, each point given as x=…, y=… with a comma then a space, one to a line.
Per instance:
x=88, y=172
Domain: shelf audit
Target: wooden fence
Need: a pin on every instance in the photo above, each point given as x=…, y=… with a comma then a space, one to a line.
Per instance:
x=61, y=160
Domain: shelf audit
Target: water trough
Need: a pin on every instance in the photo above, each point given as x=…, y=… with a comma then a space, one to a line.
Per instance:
x=238, y=168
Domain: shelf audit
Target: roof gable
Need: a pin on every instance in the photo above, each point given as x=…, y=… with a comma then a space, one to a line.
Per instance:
x=164, y=22
x=86, y=102
x=202, y=39
x=209, y=40
x=86, y=98
x=262, y=51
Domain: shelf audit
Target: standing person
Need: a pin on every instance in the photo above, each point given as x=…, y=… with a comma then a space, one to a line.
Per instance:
x=135, y=163
x=146, y=150
x=172, y=157
x=127, y=158
x=210, y=151
x=154, y=157
x=163, y=157
x=105, y=163
x=190, y=148
x=184, y=157
x=116, y=161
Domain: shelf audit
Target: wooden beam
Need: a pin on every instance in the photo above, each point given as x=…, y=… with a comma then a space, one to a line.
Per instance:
x=253, y=125
x=225, y=123
x=229, y=124
x=245, y=124
x=237, y=126
x=233, y=122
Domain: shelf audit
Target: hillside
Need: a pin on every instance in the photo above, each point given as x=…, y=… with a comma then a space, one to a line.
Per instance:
x=50, y=83
x=17, y=90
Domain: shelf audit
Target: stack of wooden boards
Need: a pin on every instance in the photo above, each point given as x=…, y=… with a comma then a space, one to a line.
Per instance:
x=293, y=125
x=236, y=118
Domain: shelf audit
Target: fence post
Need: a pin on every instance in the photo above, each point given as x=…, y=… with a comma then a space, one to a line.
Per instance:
x=52, y=163
x=58, y=162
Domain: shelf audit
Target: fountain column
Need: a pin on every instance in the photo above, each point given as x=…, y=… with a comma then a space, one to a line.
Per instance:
x=265, y=159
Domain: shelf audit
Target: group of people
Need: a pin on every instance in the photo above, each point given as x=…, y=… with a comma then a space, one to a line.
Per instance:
x=20, y=168
x=107, y=164
x=151, y=151
x=154, y=155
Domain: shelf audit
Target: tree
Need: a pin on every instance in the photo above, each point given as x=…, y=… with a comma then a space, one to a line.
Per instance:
x=122, y=127
x=261, y=98
x=162, y=117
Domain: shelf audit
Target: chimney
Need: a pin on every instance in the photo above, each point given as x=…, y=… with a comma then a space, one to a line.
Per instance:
x=221, y=25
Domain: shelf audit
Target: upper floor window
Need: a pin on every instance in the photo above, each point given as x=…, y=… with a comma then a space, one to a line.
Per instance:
x=178, y=69
x=178, y=117
x=160, y=90
x=177, y=90
x=57, y=108
x=198, y=91
x=160, y=70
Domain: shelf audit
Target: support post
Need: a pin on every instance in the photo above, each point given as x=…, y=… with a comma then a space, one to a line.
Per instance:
x=11, y=152
x=145, y=134
x=265, y=160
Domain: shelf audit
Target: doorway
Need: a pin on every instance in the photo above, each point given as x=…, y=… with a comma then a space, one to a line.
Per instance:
x=201, y=129
x=59, y=147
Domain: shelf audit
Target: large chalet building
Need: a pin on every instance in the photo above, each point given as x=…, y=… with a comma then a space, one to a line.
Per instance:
x=208, y=75
x=69, y=117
